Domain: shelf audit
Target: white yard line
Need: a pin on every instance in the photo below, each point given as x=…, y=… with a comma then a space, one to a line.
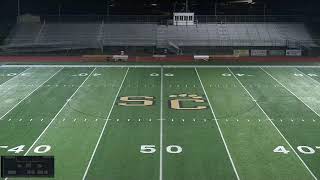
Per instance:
x=290, y=91
x=104, y=127
x=274, y=125
x=161, y=125
x=220, y=131
x=169, y=66
x=58, y=113
x=317, y=82
x=30, y=94
x=18, y=75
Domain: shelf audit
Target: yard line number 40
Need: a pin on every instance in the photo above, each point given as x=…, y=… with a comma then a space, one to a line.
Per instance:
x=301, y=149
x=18, y=149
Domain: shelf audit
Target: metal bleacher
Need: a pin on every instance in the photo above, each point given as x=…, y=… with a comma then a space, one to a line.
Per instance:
x=96, y=34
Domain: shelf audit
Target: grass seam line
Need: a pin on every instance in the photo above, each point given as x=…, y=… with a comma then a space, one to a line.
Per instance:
x=30, y=93
x=220, y=131
x=270, y=120
x=104, y=126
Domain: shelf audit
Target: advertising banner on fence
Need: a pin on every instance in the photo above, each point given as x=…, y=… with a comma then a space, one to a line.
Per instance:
x=243, y=52
x=294, y=52
x=257, y=52
x=277, y=53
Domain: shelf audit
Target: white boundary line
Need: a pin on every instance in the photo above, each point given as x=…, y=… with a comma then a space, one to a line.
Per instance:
x=54, y=118
x=220, y=131
x=30, y=93
x=290, y=91
x=274, y=125
x=170, y=66
x=104, y=127
x=18, y=75
x=161, y=125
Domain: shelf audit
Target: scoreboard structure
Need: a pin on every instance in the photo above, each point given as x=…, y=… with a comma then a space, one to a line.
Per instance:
x=27, y=166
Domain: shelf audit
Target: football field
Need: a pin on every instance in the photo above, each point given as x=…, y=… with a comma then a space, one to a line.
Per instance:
x=164, y=122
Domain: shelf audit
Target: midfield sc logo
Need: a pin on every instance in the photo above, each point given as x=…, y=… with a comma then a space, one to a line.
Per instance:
x=177, y=102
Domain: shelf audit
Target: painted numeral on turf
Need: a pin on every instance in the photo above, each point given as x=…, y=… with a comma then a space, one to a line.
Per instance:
x=12, y=74
x=306, y=150
x=281, y=149
x=17, y=149
x=156, y=75
x=302, y=149
x=174, y=149
x=42, y=149
x=81, y=74
x=150, y=149
x=39, y=149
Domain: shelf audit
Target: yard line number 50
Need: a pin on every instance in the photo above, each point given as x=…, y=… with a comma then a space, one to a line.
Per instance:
x=150, y=149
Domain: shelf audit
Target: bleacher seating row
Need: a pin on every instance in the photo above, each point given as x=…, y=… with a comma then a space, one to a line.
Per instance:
x=95, y=34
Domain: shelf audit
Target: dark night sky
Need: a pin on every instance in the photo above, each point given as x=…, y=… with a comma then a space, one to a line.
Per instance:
x=8, y=7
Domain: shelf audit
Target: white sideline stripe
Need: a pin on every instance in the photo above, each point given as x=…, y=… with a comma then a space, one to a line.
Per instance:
x=57, y=114
x=221, y=134
x=18, y=75
x=104, y=127
x=30, y=94
x=170, y=66
x=291, y=91
x=161, y=125
x=275, y=126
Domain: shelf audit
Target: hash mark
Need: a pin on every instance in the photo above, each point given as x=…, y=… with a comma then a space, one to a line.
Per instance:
x=317, y=147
